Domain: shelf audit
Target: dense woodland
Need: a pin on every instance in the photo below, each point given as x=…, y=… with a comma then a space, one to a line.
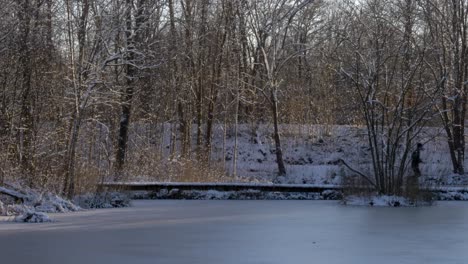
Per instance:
x=72, y=71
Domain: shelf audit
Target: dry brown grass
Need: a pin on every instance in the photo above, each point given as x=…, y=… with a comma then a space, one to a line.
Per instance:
x=87, y=179
x=356, y=185
x=150, y=166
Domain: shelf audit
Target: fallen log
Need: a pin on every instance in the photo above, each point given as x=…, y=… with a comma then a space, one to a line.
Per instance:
x=17, y=195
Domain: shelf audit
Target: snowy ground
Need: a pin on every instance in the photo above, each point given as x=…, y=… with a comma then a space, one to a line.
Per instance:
x=26, y=205
x=311, y=153
x=274, y=232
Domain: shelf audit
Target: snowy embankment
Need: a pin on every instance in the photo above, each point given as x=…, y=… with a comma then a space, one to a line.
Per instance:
x=31, y=206
x=102, y=200
x=452, y=194
x=311, y=154
x=235, y=195
x=436, y=194
x=383, y=200
x=26, y=205
x=267, y=191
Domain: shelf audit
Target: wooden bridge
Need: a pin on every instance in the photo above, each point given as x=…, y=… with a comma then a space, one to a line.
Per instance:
x=183, y=186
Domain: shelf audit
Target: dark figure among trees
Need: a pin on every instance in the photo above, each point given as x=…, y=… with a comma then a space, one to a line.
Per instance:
x=416, y=160
x=413, y=182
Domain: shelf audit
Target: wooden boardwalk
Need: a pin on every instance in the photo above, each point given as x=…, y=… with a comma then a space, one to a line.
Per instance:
x=156, y=186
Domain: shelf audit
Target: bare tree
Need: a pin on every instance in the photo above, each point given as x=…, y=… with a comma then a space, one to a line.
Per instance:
x=384, y=62
x=87, y=76
x=81, y=80
x=447, y=24
x=25, y=135
x=270, y=22
x=133, y=22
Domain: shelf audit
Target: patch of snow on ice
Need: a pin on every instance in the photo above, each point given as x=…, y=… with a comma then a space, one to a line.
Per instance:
x=34, y=205
x=103, y=200
x=453, y=196
x=33, y=217
x=332, y=195
x=52, y=203
x=378, y=200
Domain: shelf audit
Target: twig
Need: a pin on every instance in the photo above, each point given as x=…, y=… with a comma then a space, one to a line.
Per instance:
x=358, y=172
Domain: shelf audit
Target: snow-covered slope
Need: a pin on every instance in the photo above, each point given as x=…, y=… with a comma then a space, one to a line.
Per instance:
x=311, y=153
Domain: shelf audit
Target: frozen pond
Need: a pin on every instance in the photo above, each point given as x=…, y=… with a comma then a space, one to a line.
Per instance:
x=204, y=232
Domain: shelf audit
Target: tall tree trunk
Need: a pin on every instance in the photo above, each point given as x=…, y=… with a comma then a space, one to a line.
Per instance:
x=132, y=37
x=79, y=107
x=190, y=71
x=211, y=106
x=25, y=136
x=201, y=74
x=279, y=150
x=49, y=39
x=459, y=53
x=216, y=74
x=70, y=173
x=236, y=131
x=175, y=82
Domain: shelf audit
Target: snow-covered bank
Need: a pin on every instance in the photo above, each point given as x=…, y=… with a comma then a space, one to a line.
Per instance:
x=102, y=200
x=369, y=200
x=26, y=205
x=452, y=196
x=32, y=216
x=234, y=195
x=382, y=200
x=32, y=206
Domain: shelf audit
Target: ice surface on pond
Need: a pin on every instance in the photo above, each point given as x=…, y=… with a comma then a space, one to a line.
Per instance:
x=204, y=232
